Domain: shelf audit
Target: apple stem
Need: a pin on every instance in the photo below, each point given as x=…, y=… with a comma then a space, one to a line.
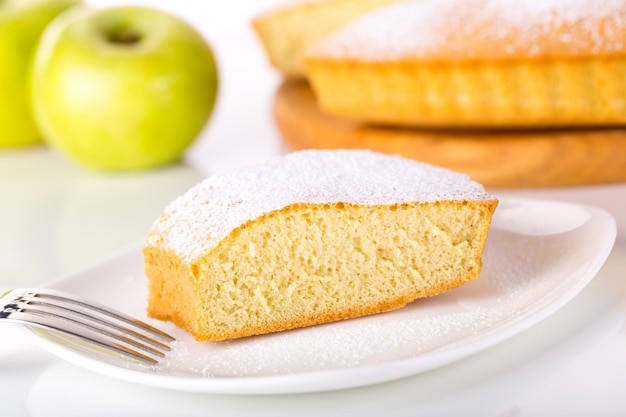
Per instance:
x=123, y=36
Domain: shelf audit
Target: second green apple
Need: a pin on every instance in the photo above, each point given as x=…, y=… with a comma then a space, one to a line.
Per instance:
x=122, y=88
x=21, y=24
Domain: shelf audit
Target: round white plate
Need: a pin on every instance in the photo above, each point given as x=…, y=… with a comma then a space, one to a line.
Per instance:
x=539, y=255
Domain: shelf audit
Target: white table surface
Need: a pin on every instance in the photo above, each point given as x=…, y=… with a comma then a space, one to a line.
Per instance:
x=56, y=218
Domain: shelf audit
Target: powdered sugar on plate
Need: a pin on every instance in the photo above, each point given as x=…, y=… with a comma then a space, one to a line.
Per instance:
x=481, y=29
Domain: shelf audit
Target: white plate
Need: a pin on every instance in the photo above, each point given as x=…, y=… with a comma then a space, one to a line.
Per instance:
x=539, y=255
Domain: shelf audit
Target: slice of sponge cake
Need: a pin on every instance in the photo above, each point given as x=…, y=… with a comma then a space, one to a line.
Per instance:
x=313, y=237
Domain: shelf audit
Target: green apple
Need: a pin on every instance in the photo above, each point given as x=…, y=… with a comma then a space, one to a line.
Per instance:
x=21, y=25
x=122, y=88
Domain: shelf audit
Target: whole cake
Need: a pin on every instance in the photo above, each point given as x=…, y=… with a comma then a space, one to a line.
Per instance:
x=513, y=93
x=313, y=237
x=477, y=63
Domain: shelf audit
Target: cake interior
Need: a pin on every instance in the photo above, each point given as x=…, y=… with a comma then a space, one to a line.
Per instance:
x=314, y=263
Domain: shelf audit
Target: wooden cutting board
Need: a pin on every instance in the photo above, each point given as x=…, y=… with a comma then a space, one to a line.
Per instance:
x=511, y=159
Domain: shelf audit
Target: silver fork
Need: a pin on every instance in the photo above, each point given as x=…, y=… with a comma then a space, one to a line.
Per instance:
x=87, y=321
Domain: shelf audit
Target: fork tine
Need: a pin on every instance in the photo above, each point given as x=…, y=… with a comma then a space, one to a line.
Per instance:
x=80, y=319
x=45, y=307
x=90, y=306
x=87, y=334
x=95, y=323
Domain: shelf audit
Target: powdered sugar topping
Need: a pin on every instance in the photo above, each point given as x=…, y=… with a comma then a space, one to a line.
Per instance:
x=475, y=29
x=198, y=220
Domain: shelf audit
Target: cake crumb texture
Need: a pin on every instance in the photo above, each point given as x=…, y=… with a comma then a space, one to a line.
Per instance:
x=313, y=237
